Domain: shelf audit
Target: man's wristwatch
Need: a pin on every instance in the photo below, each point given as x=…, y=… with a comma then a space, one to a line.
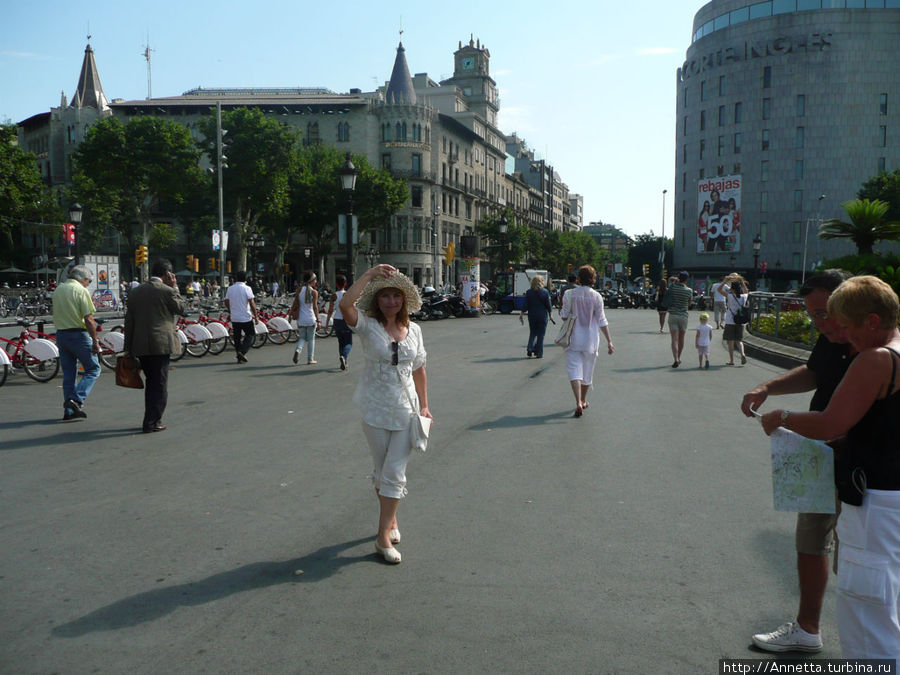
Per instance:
x=784, y=417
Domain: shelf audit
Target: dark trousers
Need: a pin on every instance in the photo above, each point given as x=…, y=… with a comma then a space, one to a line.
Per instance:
x=156, y=387
x=537, y=329
x=344, y=336
x=249, y=330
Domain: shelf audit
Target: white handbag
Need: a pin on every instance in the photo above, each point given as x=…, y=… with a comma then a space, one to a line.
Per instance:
x=419, y=425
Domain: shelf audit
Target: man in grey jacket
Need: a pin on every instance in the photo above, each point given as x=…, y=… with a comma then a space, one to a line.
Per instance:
x=150, y=335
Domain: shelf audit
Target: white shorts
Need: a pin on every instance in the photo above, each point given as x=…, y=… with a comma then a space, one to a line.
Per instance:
x=703, y=350
x=580, y=366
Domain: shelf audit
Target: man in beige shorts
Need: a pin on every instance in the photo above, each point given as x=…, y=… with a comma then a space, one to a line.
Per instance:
x=829, y=360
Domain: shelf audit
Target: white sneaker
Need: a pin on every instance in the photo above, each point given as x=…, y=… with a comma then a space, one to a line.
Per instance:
x=788, y=637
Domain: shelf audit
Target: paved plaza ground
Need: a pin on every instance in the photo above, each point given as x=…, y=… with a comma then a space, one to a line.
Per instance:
x=640, y=538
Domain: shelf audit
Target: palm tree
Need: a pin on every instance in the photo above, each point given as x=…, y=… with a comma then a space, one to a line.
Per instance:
x=866, y=227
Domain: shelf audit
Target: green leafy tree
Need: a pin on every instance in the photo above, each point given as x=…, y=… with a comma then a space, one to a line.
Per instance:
x=125, y=175
x=316, y=200
x=23, y=195
x=866, y=227
x=517, y=245
x=886, y=187
x=260, y=157
x=645, y=250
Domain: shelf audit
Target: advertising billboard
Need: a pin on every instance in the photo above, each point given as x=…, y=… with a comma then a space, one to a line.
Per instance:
x=719, y=214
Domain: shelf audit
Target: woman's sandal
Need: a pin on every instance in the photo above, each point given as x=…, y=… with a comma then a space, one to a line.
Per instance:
x=390, y=554
x=395, y=536
x=579, y=411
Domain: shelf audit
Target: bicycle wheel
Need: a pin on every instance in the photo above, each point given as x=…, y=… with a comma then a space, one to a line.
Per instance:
x=198, y=348
x=259, y=339
x=218, y=345
x=4, y=371
x=108, y=358
x=40, y=371
x=293, y=335
x=278, y=337
x=179, y=355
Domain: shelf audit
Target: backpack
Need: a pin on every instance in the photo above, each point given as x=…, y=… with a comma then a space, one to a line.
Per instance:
x=742, y=314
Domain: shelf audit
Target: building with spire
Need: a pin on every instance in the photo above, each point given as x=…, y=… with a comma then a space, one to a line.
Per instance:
x=442, y=138
x=53, y=136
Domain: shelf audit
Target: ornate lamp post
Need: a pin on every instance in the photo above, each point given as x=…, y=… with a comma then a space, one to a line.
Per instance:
x=436, y=265
x=348, y=174
x=75, y=213
x=504, y=228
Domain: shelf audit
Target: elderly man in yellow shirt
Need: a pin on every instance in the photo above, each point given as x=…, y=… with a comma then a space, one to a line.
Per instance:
x=76, y=337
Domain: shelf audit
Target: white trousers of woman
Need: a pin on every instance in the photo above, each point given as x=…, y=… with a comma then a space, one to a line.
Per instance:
x=390, y=453
x=580, y=366
x=868, y=583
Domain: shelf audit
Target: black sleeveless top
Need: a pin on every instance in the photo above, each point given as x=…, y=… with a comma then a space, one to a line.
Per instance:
x=875, y=439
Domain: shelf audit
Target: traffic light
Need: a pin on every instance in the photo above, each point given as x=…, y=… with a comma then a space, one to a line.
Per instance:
x=211, y=264
x=196, y=267
x=68, y=233
x=189, y=263
x=140, y=255
x=228, y=266
x=449, y=253
x=646, y=269
x=287, y=268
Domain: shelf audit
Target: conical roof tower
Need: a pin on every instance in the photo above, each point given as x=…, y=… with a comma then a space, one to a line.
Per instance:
x=89, y=92
x=400, y=89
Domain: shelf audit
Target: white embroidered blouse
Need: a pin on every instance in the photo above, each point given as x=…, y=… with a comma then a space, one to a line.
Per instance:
x=382, y=391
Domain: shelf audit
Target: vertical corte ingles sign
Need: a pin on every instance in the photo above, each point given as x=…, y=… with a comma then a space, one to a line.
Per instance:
x=719, y=214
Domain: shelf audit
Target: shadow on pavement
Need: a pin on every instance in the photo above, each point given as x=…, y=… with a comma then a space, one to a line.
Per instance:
x=513, y=421
x=152, y=605
x=69, y=433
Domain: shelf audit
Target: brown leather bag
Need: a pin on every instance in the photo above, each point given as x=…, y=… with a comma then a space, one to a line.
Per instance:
x=128, y=373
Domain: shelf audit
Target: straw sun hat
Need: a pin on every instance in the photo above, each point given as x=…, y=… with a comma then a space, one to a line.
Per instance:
x=396, y=280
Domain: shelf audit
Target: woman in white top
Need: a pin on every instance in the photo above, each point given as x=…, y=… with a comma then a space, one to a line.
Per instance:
x=306, y=301
x=736, y=296
x=343, y=332
x=393, y=383
x=590, y=320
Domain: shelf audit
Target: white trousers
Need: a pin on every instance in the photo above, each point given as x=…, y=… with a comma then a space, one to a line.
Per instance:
x=868, y=583
x=390, y=454
x=580, y=366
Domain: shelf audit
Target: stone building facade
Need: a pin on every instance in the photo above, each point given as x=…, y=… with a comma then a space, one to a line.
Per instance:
x=442, y=138
x=798, y=103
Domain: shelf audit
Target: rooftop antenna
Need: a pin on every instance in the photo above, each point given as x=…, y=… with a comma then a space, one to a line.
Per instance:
x=146, y=55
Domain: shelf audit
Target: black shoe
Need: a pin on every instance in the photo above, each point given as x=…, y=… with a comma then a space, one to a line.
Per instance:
x=528, y=352
x=241, y=358
x=675, y=365
x=72, y=410
x=159, y=426
x=343, y=363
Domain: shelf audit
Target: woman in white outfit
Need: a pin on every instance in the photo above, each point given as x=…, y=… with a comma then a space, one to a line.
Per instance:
x=590, y=320
x=393, y=383
x=307, y=303
x=736, y=296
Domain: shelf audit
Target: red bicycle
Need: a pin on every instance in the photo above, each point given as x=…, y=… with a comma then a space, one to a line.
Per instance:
x=34, y=352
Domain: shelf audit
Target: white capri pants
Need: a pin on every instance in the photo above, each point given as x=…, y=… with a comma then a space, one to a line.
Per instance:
x=868, y=582
x=580, y=366
x=390, y=453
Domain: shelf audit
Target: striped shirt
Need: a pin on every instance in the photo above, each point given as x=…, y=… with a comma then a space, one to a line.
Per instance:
x=678, y=298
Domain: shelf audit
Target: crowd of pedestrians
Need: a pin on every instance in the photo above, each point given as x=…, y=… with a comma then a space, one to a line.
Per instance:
x=852, y=373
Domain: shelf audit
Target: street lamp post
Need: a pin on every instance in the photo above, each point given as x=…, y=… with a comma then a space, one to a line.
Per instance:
x=348, y=175
x=662, y=237
x=504, y=228
x=757, y=244
x=436, y=265
x=372, y=254
x=75, y=212
x=806, y=237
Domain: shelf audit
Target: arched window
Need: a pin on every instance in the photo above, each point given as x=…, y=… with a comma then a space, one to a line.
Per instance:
x=403, y=132
x=397, y=136
x=343, y=131
x=312, y=133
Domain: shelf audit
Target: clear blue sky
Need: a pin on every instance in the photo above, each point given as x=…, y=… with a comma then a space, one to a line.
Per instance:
x=590, y=85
